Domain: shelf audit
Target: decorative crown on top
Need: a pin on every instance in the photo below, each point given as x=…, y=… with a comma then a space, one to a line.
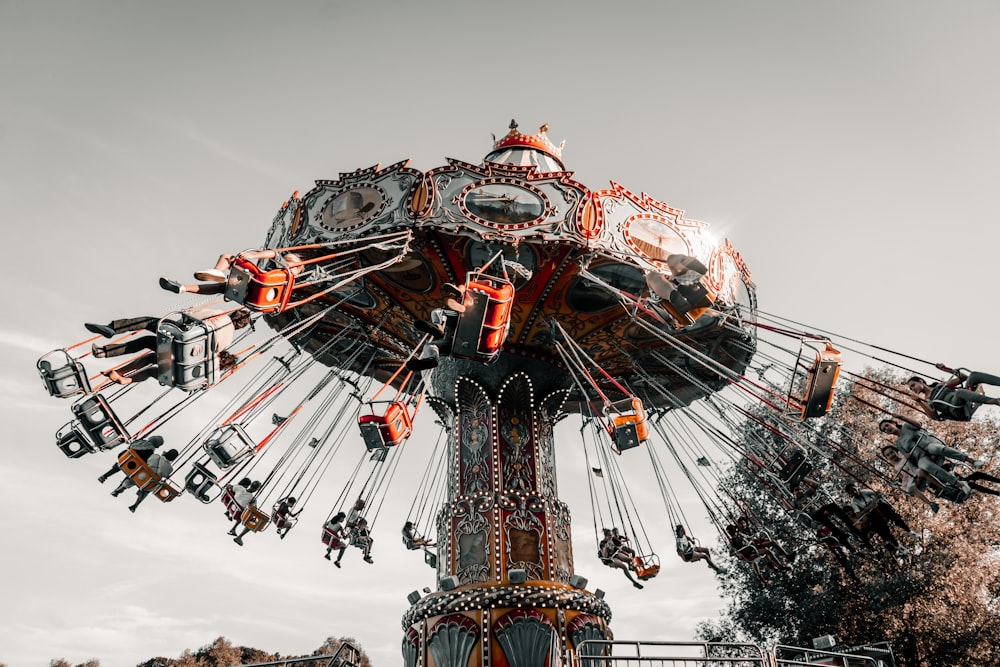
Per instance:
x=539, y=141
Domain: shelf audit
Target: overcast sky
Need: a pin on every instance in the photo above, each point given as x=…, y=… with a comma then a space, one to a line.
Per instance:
x=850, y=150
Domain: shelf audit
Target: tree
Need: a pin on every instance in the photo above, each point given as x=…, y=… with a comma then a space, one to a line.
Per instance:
x=938, y=605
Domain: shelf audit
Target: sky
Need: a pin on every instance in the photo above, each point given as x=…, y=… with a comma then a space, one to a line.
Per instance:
x=849, y=150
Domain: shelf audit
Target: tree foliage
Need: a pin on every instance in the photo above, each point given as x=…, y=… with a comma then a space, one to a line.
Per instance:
x=222, y=653
x=938, y=605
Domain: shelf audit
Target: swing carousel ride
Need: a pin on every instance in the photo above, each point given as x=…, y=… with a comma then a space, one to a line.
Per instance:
x=505, y=297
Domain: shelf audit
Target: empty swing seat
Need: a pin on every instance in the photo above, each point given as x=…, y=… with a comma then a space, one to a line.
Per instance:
x=200, y=482
x=386, y=430
x=73, y=441
x=64, y=377
x=100, y=423
x=646, y=567
x=185, y=355
x=482, y=328
x=254, y=519
x=228, y=445
x=627, y=424
x=823, y=376
x=263, y=291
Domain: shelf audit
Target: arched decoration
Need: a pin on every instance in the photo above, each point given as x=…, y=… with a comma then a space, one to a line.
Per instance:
x=475, y=438
x=526, y=636
x=411, y=648
x=583, y=628
x=517, y=441
x=472, y=540
x=549, y=412
x=523, y=534
x=452, y=640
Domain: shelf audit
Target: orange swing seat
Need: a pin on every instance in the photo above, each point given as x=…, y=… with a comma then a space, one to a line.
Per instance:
x=389, y=429
x=263, y=291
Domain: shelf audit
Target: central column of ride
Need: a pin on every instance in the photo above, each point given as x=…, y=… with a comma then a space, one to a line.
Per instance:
x=507, y=593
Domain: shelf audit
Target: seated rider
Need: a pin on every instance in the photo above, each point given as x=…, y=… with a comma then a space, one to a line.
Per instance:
x=412, y=539
x=610, y=553
x=222, y=323
x=143, y=447
x=244, y=496
x=361, y=537
x=751, y=548
x=916, y=443
x=215, y=278
x=912, y=480
x=690, y=552
x=162, y=467
x=957, y=398
x=283, y=515
x=878, y=514
x=334, y=536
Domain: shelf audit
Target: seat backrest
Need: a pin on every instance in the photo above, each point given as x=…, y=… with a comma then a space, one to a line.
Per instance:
x=228, y=445
x=138, y=470
x=65, y=377
x=102, y=426
x=185, y=356
x=201, y=483
x=73, y=441
x=262, y=291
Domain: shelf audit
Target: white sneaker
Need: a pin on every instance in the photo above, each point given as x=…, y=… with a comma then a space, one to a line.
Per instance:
x=210, y=276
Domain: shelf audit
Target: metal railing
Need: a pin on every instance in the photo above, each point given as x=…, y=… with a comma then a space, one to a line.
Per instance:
x=346, y=656
x=599, y=653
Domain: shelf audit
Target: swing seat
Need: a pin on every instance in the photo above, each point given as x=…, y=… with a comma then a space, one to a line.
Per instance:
x=646, y=567
x=233, y=509
x=228, y=445
x=185, y=356
x=166, y=491
x=628, y=424
x=823, y=376
x=254, y=519
x=102, y=426
x=430, y=558
x=380, y=431
x=66, y=379
x=138, y=470
x=482, y=327
x=282, y=520
x=686, y=314
x=73, y=441
x=201, y=482
x=794, y=466
x=952, y=494
x=331, y=540
x=262, y=291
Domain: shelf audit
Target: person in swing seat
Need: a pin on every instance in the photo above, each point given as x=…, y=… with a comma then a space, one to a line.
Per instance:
x=412, y=539
x=214, y=279
x=956, y=398
x=690, y=552
x=611, y=554
x=924, y=449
